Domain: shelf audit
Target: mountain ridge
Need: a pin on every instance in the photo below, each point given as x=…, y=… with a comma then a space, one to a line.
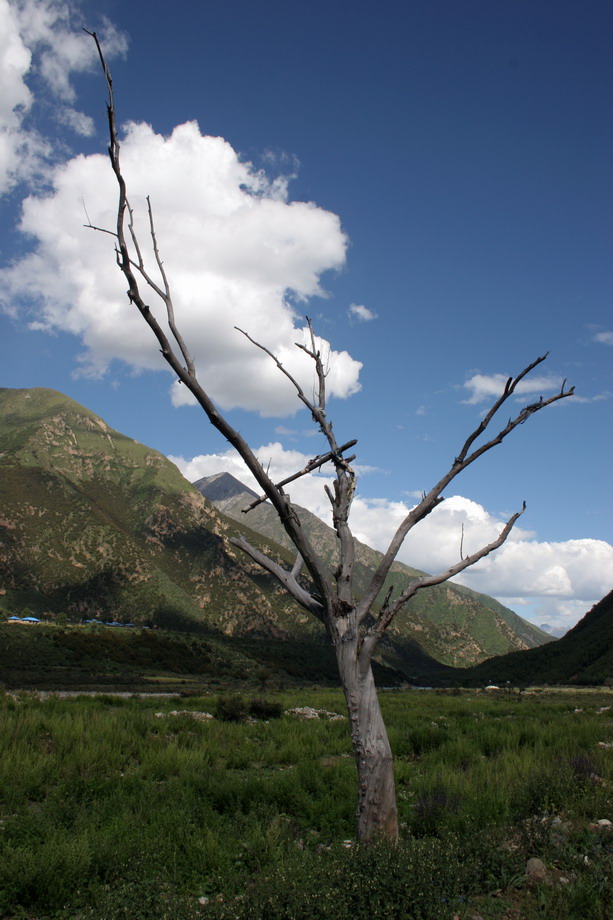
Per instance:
x=583, y=656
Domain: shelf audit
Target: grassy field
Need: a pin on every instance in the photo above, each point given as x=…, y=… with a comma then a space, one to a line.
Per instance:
x=110, y=810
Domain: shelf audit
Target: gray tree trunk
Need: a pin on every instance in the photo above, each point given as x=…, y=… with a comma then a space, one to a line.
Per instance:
x=376, y=814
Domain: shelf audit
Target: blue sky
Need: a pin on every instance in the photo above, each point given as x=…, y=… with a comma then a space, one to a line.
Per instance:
x=431, y=182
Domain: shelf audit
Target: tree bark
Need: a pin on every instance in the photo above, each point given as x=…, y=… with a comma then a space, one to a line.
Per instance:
x=376, y=814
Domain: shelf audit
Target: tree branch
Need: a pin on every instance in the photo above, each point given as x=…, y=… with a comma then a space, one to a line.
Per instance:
x=166, y=295
x=287, y=579
x=297, y=567
x=311, y=465
x=463, y=460
x=344, y=484
x=388, y=611
x=313, y=409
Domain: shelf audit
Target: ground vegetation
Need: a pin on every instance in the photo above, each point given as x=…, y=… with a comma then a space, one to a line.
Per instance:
x=115, y=807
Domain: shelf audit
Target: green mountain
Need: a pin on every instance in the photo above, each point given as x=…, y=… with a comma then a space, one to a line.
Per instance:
x=584, y=655
x=96, y=525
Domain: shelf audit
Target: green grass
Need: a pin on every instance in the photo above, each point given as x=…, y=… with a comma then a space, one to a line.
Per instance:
x=109, y=811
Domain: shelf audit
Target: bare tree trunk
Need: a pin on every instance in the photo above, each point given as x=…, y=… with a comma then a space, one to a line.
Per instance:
x=376, y=814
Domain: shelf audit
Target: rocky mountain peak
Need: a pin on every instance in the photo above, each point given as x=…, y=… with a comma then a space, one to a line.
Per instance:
x=222, y=486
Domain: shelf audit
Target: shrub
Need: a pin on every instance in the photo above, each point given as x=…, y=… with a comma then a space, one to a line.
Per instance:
x=265, y=709
x=585, y=769
x=232, y=708
x=431, y=808
x=419, y=879
x=236, y=708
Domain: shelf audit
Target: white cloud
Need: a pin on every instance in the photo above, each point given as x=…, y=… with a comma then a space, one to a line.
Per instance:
x=361, y=313
x=76, y=121
x=37, y=37
x=15, y=98
x=62, y=49
x=599, y=397
x=561, y=580
x=574, y=569
x=605, y=338
x=237, y=252
x=490, y=386
x=292, y=433
x=558, y=612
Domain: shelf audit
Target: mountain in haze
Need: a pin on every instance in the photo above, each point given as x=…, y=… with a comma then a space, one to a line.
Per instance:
x=95, y=525
x=584, y=655
x=556, y=631
x=452, y=623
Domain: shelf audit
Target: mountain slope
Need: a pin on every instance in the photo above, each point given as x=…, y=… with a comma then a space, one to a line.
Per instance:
x=453, y=624
x=584, y=655
x=93, y=524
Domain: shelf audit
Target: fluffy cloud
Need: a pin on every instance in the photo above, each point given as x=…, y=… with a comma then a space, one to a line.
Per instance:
x=605, y=338
x=17, y=151
x=560, y=581
x=37, y=38
x=237, y=251
x=361, y=313
x=489, y=387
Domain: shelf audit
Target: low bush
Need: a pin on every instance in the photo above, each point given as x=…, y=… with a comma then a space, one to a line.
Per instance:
x=417, y=879
x=430, y=808
x=265, y=709
x=232, y=708
x=236, y=708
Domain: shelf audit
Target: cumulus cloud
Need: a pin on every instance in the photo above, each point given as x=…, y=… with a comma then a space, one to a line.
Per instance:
x=490, y=386
x=38, y=40
x=361, y=313
x=17, y=151
x=238, y=253
x=605, y=338
x=561, y=580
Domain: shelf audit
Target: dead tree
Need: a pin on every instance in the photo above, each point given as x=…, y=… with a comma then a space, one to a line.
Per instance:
x=354, y=625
